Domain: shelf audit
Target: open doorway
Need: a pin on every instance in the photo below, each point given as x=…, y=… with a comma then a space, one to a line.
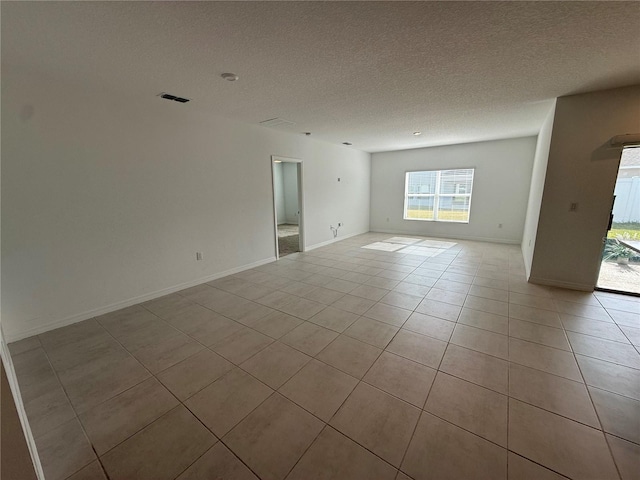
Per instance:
x=287, y=205
x=620, y=267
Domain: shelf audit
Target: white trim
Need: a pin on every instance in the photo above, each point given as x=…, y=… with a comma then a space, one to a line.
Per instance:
x=334, y=240
x=458, y=237
x=79, y=317
x=17, y=399
x=583, y=287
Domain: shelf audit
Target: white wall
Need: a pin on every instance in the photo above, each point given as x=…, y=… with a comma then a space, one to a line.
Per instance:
x=535, y=191
x=290, y=182
x=278, y=185
x=106, y=198
x=500, y=190
x=581, y=169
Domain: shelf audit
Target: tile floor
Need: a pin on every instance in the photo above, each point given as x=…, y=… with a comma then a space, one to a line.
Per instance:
x=346, y=363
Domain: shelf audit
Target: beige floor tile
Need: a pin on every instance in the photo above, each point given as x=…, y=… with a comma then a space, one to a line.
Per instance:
x=48, y=409
x=402, y=378
x=21, y=346
x=533, y=332
x=162, y=355
x=334, y=319
x=309, y=338
x=88, y=329
x=224, y=403
x=369, y=292
x=343, y=286
x=558, y=443
x=276, y=299
x=162, y=450
x=486, y=321
x=64, y=450
x=595, y=328
x=91, y=384
x=388, y=314
x=303, y=308
x=547, y=359
x=422, y=279
x=626, y=456
x=218, y=463
x=118, y=418
x=479, y=368
x=273, y=437
x=204, y=325
x=453, y=275
x=381, y=282
x=432, y=326
x=491, y=293
x=402, y=476
x=487, y=305
x=615, y=352
x=323, y=295
x=491, y=283
x=247, y=312
x=632, y=334
x=522, y=469
x=481, y=341
x=334, y=456
x=550, y=392
x=193, y=374
x=411, y=289
x=535, y=315
x=533, y=301
x=619, y=415
x=401, y=300
x=441, y=450
x=448, y=284
x=275, y=364
x=353, y=304
x=610, y=376
x=319, y=389
x=628, y=319
x=276, y=324
x=373, y=332
x=379, y=422
x=350, y=355
x=582, y=310
x=439, y=294
x=469, y=406
x=83, y=351
x=241, y=345
x=419, y=348
x=438, y=309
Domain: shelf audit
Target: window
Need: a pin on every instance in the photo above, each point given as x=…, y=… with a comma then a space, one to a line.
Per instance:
x=438, y=195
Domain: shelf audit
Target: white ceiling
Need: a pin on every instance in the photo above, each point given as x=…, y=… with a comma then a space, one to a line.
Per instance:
x=370, y=73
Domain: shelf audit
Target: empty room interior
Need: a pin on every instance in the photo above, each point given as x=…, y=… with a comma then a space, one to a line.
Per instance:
x=320, y=240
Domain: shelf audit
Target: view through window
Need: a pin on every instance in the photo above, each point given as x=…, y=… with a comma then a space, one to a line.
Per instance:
x=438, y=195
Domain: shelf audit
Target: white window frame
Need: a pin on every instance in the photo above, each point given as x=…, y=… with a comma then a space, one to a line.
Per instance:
x=436, y=195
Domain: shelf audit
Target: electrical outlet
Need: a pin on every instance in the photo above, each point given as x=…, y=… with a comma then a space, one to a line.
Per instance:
x=499, y=225
x=339, y=224
x=573, y=207
x=198, y=255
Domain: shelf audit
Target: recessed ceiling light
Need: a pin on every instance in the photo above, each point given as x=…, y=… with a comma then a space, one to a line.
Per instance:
x=417, y=134
x=230, y=77
x=347, y=143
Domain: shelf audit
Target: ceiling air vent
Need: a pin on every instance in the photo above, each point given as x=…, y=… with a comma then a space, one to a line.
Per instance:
x=276, y=122
x=168, y=96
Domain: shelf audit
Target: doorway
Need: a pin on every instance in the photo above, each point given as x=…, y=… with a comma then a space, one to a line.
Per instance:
x=287, y=205
x=620, y=264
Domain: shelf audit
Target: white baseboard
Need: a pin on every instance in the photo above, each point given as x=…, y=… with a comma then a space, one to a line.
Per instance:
x=583, y=287
x=79, y=317
x=333, y=240
x=458, y=237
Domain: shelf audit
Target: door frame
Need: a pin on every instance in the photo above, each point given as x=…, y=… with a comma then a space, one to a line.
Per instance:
x=300, y=165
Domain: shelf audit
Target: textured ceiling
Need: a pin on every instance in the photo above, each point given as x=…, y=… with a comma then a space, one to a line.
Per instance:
x=369, y=73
